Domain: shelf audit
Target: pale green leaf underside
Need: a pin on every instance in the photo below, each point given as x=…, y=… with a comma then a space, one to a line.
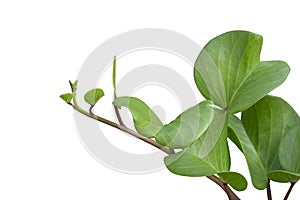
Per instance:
x=187, y=127
x=256, y=168
x=228, y=71
x=282, y=176
x=186, y=163
x=235, y=180
x=267, y=123
x=215, y=131
x=145, y=120
x=93, y=96
x=66, y=97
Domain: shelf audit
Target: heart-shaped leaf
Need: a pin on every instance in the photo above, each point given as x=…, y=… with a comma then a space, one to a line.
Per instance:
x=273, y=128
x=187, y=127
x=190, y=162
x=235, y=180
x=66, y=97
x=229, y=72
x=145, y=120
x=93, y=96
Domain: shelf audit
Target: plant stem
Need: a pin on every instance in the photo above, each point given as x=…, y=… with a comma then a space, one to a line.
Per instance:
x=124, y=129
x=231, y=195
x=269, y=193
x=289, y=191
x=119, y=116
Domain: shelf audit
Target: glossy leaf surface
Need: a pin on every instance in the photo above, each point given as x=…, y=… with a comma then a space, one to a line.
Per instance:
x=229, y=72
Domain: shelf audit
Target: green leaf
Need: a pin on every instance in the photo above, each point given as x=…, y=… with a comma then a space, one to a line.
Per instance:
x=256, y=168
x=289, y=149
x=187, y=127
x=93, y=96
x=235, y=180
x=268, y=123
x=66, y=97
x=190, y=162
x=282, y=176
x=114, y=76
x=229, y=72
x=186, y=163
x=234, y=138
x=145, y=120
x=216, y=129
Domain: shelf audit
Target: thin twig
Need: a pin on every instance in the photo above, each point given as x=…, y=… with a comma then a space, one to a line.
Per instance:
x=127, y=130
x=91, y=109
x=122, y=124
x=119, y=116
x=269, y=193
x=289, y=191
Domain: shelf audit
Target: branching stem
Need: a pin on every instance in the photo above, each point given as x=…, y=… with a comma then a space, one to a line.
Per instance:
x=231, y=195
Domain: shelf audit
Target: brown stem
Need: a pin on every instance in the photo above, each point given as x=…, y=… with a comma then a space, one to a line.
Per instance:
x=91, y=109
x=124, y=129
x=289, y=191
x=269, y=193
x=172, y=150
x=119, y=116
x=231, y=195
x=122, y=124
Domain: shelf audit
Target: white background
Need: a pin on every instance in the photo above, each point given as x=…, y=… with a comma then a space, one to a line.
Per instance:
x=43, y=45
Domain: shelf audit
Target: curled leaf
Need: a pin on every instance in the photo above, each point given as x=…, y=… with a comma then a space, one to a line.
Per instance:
x=145, y=120
x=114, y=76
